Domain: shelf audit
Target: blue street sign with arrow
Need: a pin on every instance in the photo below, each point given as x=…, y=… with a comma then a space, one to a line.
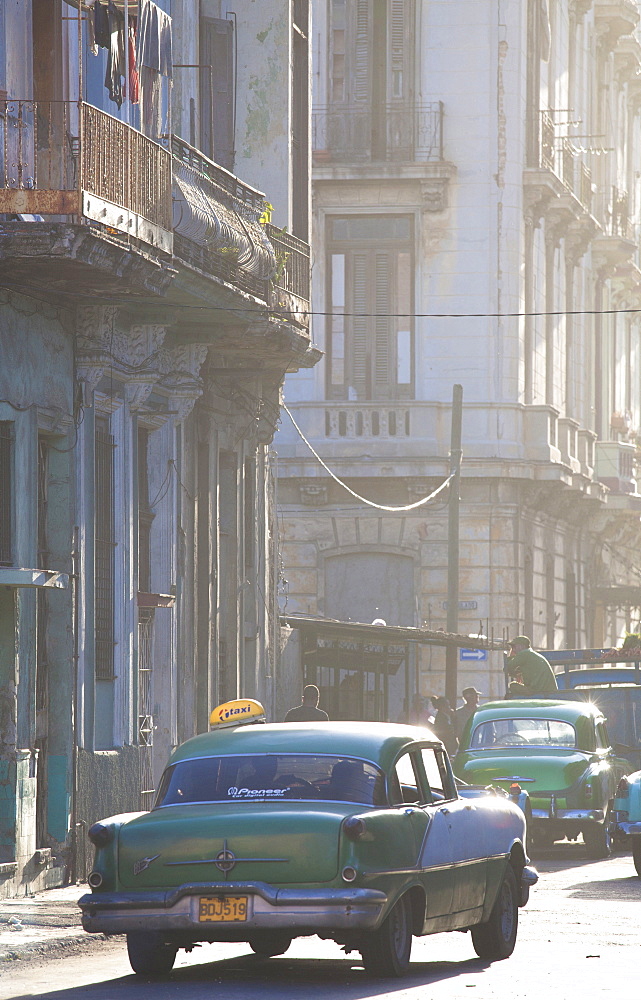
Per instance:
x=473, y=654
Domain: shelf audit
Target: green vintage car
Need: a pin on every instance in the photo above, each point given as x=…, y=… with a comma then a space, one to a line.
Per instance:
x=352, y=831
x=560, y=752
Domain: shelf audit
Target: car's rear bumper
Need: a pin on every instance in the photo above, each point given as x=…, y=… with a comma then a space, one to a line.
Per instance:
x=551, y=812
x=268, y=909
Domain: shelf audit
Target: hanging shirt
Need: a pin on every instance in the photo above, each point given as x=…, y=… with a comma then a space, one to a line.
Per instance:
x=101, y=25
x=116, y=55
x=133, y=86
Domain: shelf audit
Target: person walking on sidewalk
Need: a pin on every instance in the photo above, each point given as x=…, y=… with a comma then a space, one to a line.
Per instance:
x=531, y=672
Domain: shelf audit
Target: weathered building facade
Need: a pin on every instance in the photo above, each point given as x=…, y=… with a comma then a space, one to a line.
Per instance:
x=476, y=203
x=150, y=306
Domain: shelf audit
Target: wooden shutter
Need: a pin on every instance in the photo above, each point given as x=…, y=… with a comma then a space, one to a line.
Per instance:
x=217, y=90
x=360, y=352
x=382, y=347
x=397, y=47
x=362, y=51
x=6, y=492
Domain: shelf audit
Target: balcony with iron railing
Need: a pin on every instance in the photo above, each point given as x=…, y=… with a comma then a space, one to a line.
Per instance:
x=561, y=155
x=377, y=134
x=63, y=161
x=70, y=159
x=221, y=228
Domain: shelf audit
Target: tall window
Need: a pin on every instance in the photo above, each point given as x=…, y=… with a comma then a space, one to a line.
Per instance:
x=369, y=54
x=145, y=514
x=370, y=329
x=104, y=551
x=300, y=119
x=369, y=80
x=6, y=488
x=217, y=90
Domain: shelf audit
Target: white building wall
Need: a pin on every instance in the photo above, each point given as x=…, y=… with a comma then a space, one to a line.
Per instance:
x=518, y=260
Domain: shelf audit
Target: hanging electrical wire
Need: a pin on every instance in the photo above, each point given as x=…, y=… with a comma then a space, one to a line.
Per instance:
x=370, y=503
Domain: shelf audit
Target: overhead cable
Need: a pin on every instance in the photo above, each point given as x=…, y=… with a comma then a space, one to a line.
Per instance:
x=370, y=503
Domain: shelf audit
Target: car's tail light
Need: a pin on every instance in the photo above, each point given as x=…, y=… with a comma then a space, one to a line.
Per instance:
x=100, y=835
x=354, y=828
x=515, y=790
x=623, y=787
x=587, y=788
x=349, y=873
x=95, y=880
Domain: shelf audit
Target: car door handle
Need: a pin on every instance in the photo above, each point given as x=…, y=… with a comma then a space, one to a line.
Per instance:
x=445, y=811
x=470, y=806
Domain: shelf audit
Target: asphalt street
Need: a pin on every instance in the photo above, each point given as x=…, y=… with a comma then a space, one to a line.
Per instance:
x=578, y=940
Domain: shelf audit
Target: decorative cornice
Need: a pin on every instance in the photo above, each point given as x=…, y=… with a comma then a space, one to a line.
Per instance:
x=610, y=253
x=179, y=375
x=434, y=194
x=579, y=8
x=614, y=18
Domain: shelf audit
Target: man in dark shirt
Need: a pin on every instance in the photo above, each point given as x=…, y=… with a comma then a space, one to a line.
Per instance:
x=309, y=710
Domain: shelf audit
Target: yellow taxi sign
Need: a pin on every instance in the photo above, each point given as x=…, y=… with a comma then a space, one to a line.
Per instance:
x=237, y=713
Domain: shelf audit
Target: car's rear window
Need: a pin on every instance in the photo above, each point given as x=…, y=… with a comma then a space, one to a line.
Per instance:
x=271, y=777
x=504, y=732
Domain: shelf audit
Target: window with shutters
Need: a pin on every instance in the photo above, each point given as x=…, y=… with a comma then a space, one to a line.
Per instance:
x=370, y=339
x=217, y=98
x=6, y=492
x=300, y=119
x=105, y=544
x=369, y=90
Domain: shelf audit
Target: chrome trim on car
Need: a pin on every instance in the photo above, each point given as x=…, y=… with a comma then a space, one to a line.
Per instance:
x=119, y=913
x=419, y=869
x=225, y=860
x=594, y=815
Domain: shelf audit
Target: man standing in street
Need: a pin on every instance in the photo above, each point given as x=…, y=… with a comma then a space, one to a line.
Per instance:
x=532, y=673
x=462, y=715
x=308, y=711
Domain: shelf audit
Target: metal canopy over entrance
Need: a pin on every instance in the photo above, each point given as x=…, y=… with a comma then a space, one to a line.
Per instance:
x=364, y=671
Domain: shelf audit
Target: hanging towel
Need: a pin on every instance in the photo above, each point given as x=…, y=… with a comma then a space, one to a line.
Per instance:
x=154, y=39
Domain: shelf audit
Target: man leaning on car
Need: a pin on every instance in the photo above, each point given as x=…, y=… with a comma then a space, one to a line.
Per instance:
x=532, y=672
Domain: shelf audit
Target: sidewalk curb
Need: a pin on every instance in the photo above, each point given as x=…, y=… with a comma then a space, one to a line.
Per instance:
x=40, y=949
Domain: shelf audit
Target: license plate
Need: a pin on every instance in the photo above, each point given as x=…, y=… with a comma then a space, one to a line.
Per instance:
x=222, y=909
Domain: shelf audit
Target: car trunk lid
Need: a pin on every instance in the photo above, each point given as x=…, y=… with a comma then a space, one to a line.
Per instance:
x=536, y=771
x=277, y=842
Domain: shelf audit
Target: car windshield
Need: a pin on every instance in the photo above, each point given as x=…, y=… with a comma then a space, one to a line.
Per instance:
x=269, y=777
x=523, y=732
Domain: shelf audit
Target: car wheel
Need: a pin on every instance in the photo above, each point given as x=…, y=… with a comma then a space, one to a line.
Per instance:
x=495, y=939
x=386, y=952
x=598, y=839
x=270, y=944
x=149, y=954
x=636, y=854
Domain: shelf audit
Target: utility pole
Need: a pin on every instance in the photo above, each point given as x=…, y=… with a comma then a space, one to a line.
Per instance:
x=451, y=652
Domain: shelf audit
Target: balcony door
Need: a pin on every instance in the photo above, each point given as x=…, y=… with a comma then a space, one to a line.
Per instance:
x=370, y=328
x=369, y=83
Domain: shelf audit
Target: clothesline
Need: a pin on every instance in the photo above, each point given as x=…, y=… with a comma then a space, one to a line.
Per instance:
x=134, y=67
